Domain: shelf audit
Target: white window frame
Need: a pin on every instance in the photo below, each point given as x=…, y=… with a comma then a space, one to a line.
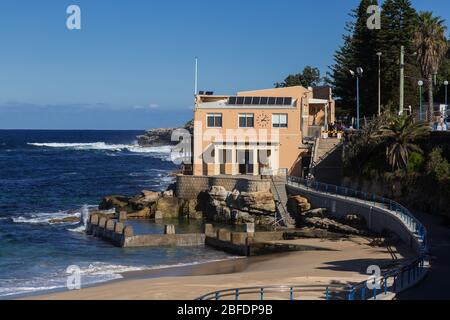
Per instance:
x=276, y=120
x=246, y=115
x=214, y=115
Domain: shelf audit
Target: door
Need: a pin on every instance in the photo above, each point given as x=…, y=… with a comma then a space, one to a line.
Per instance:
x=245, y=160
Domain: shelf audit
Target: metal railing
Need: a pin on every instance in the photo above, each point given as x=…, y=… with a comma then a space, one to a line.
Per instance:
x=392, y=281
x=414, y=225
x=295, y=292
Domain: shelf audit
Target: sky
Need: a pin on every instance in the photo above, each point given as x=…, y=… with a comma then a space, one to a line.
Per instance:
x=131, y=66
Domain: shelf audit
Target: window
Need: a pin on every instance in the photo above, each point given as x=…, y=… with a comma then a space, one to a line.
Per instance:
x=280, y=120
x=246, y=120
x=214, y=120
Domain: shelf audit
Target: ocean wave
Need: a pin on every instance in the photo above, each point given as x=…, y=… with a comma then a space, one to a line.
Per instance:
x=46, y=217
x=104, y=146
x=94, y=273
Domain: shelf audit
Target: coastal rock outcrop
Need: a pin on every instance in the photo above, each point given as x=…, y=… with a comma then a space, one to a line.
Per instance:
x=147, y=203
x=114, y=202
x=161, y=136
x=298, y=204
x=240, y=207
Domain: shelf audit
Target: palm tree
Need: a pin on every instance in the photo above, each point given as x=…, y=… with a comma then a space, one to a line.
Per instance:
x=431, y=45
x=400, y=134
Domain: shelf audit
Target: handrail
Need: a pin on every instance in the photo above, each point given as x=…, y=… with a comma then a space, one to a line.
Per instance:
x=277, y=221
x=331, y=292
x=394, y=280
x=400, y=211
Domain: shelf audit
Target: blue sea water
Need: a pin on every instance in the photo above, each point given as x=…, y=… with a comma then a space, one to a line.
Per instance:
x=54, y=174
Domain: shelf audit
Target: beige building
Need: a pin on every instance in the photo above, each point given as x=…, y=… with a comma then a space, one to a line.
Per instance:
x=258, y=132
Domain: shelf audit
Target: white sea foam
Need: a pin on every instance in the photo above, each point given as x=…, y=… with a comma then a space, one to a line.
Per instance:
x=45, y=217
x=104, y=146
x=95, y=273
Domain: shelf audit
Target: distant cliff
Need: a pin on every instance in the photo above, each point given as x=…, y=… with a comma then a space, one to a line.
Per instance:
x=161, y=136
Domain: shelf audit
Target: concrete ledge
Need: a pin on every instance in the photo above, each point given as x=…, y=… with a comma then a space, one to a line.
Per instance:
x=123, y=236
x=165, y=240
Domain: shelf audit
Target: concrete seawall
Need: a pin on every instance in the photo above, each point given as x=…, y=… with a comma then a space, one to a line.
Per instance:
x=378, y=219
x=189, y=187
x=123, y=236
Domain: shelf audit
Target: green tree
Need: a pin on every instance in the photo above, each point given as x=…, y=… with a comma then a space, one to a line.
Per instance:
x=398, y=25
x=401, y=135
x=310, y=77
x=431, y=45
x=359, y=50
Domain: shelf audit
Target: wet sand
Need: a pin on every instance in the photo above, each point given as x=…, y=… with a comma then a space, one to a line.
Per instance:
x=343, y=261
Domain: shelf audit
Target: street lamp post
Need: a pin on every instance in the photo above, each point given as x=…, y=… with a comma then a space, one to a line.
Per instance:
x=358, y=74
x=379, y=54
x=420, y=83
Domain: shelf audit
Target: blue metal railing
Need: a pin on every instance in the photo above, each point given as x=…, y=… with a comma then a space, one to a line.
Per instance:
x=391, y=282
x=394, y=280
x=414, y=225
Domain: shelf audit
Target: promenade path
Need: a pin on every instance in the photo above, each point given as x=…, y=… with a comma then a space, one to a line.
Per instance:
x=436, y=285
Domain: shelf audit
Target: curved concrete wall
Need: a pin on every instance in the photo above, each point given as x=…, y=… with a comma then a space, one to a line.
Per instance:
x=378, y=219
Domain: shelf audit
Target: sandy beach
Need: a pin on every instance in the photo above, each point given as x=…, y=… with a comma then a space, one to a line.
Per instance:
x=343, y=261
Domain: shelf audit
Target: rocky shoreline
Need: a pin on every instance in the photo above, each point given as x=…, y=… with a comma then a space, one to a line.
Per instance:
x=219, y=205
x=161, y=136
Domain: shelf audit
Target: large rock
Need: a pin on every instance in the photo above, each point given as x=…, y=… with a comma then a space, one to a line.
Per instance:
x=218, y=193
x=169, y=207
x=191, y=209
x=150, y=196
x=258, y=202
x=114, y=202
x=298, y=204
x=65, y=220
x=355, y=220
x=315, y=213
x=145, y=199
x=331, y=225
x=240, y=208
x=145, y=213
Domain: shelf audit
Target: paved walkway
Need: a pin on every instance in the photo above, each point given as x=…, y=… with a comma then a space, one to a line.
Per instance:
x=436, y=285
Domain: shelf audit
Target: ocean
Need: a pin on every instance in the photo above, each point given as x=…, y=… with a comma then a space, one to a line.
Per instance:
x=55, y=174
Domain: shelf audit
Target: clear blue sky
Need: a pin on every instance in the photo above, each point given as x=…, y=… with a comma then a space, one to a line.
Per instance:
x=131, y=65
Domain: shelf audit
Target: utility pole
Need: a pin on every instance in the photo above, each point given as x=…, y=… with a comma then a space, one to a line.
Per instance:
x=402, y=79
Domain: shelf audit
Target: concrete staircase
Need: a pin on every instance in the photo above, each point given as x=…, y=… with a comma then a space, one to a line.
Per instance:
x=326, y=162
x=323, y=148
x=278, y=189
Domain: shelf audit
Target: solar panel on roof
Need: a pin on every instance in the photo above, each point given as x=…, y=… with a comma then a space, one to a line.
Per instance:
x=263, y=100
x=240, y=100
x=279, y=101
x=232, y=100
x=287, y=101
x=272, y=100
x=256, y=100
x=248, y=100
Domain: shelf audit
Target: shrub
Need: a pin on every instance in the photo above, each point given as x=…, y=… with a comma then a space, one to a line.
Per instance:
x=438, y=167
x=415, y=163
